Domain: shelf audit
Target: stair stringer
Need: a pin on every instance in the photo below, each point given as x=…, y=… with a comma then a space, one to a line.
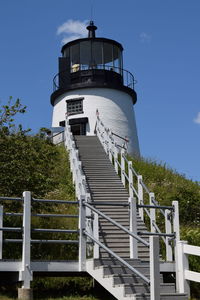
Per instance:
x=107, y=281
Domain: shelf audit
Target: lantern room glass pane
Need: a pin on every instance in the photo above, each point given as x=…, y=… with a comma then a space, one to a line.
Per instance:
x=117, y=59
x=108, y=54
x=85, y=55
x=97, y=54
x=75, y=58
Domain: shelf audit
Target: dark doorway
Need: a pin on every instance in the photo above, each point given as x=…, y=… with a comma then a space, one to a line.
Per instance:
x=78, y=126
x=78, y=129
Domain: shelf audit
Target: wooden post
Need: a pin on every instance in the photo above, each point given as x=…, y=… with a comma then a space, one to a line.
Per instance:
x=182, y=266
x=130, y=177
x=176, y=230
x=82, y=238
x=123, y=179
x=25, y=274
x=116, y=159
x=154, y=268
x=133, y=228
x=168, y=230
x=96, y=235
x=152, y=212
x=140, y=196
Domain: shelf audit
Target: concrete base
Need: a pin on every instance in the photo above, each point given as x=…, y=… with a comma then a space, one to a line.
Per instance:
x=25, y=294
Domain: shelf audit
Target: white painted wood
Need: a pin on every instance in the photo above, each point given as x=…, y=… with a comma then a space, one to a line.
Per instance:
x=140, y=196
x=168, y=230
x=115, y=109
x=193, y=276
x=133, y=228
x=55, y=266
x=26, y=273
x=176, y=230
x=193, y=250
x=123, y=179
x=96, y=235
x=107, y=282
x=116, y=152
x=130, y=177
x=154, y=268
x=182, y=266
x=82, y=238
x=176, y=225
x=1, y=232
x=152, y=212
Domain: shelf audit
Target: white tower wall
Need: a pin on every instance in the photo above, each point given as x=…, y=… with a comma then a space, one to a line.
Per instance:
x=115, y=110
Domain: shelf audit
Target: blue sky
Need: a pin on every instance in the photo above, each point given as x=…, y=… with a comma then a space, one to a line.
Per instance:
x=161, y=42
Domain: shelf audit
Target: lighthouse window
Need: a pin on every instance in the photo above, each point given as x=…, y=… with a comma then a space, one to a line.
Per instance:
x=75, y=106
x=75, y=58
x=85, y=55
x=97, y=55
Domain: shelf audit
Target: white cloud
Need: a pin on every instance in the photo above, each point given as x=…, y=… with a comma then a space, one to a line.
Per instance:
x=72, y=29
x=197, y=119
x=145, y=37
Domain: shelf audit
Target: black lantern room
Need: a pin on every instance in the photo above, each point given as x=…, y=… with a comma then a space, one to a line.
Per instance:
x=92, y=62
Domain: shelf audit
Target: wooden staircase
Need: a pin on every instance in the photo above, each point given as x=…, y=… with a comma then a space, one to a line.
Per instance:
x=104, y=185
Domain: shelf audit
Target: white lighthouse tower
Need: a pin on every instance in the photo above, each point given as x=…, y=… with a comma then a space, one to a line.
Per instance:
x=91, y=78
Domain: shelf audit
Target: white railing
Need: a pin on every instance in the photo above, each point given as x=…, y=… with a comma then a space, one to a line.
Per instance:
x=146, y=202
x=24, y=267
x=89, y=225
x=185, y=275
x=147, y=205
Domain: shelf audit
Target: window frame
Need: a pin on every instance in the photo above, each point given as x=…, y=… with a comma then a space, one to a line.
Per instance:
x=74, y=111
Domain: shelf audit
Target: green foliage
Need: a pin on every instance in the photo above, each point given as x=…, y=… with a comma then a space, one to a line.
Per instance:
x=168, y=186
x=7, y=114
x=29, y=163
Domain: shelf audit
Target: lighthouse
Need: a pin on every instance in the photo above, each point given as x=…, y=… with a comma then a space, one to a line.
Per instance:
x=92, y=79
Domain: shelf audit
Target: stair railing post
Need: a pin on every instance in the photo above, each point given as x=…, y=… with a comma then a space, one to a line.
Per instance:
x=110, y=146
x=116, y=158
x=130, y=179
x=154, y=268
x=123, y=179
x=1, y=232
x=176, y=230
x=152, y=212
x=133, y=228
x=140, y=196
x=82, y=237
x=96, y=235
x=25, y=274
x=168, y=230
x=183, y=265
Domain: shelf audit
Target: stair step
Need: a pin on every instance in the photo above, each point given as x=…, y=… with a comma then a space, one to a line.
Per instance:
x=145, y=288
x=112, y=269
x=130, y=278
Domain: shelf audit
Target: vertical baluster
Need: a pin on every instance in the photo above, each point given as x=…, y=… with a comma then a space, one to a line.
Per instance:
x=82, y=238
x=123, y=179
x=96, y=235
x=140, y=196
x=152, y=212
x=154, y=268
x=116, y=158
x=168, y=230
x=133, y=228
x=130, y=177
x=176, y=230
x=25, y=274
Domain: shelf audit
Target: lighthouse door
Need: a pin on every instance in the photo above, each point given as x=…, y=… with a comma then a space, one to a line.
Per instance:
x=78, y=126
